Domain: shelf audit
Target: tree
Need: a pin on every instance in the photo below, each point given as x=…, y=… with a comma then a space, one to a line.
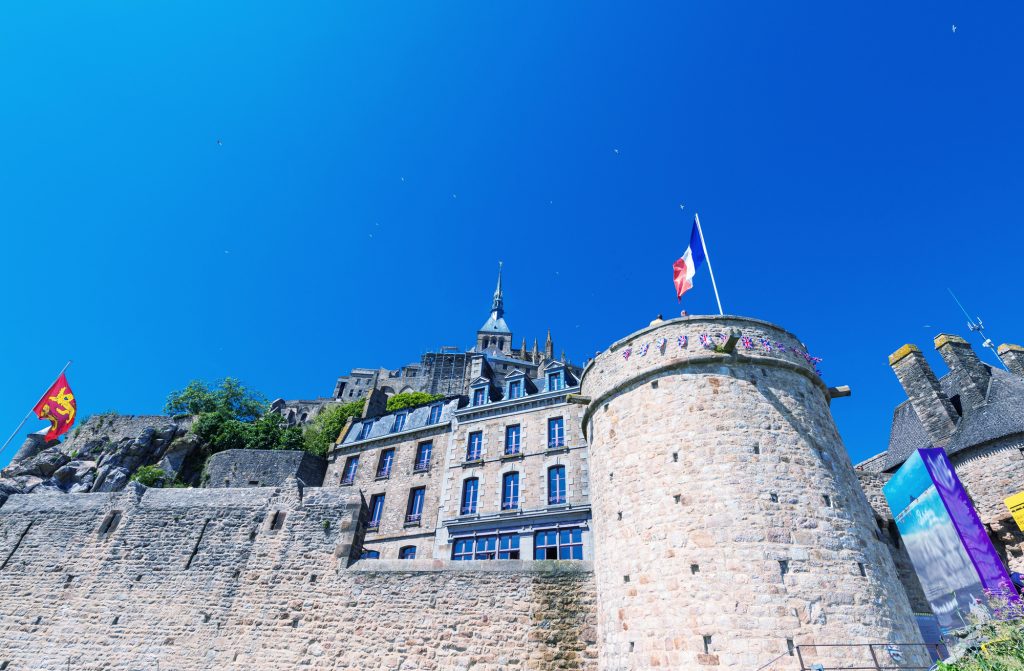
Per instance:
x=220, y=432
x=411, y=400
x=228, y=397
x=324, y=430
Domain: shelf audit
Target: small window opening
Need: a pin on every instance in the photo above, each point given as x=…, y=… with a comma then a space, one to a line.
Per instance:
x=678, y=498
x=254, y=483
x=610, y=476
x=117, y=618
x=138, y=578
x=694, y=569
x=625, y=578
x=654, y=385
x=277, y=522
x=620, y=514
x=236, y=573
x=827, y=499
x=860, y=566
x=774, y=497
x=632, y=645
x=110, y=523
x=675, y=456
x=756, y=449
x=295, y=623
x=252, y=535
x=790, y=648
x=206, y=617
x=783, y=566
x=69, y=580
x=312, y=578
x=39, y=620
x=707, y=644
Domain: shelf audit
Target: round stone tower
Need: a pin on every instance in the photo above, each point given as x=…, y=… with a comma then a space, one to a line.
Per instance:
x=729, y=526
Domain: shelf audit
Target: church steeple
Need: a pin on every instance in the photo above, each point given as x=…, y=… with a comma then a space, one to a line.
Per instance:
x=498, y=305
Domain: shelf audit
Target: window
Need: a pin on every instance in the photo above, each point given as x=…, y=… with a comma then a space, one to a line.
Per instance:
x=512, y=439
x=478, y=396
x=423, y=456
x=364, y=432
x=515, y=389
x=469, y=490
x=510, y=491
x=376, y=511
x=277, y=521
x=475, y=447
x=556, y=485
x=348, y=476
x=556, y=432
x=503, y=546
x=399, y=422
x=369, y=554
x=554, y=381
x=408, y=552
x=435, y=414
x=414, y=513
x=560, y=544
x=387, y=457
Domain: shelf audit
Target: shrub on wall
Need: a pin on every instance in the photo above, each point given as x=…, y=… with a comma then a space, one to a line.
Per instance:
x=228, y=397
x=150, y=476
x=324, y=430
x=411, y=400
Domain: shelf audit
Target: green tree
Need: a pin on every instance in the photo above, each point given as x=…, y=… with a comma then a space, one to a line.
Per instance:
x=150, y=476
x=411, y=400
x=228, y=397
x=324, y=430
x=220, y=432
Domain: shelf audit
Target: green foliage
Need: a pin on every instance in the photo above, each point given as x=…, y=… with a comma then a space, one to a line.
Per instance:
x=150, y=476
x=411, y=400
x=228, y=397
x=995, y=644
x=324, y=430
x=219, y=431
x=327, y=525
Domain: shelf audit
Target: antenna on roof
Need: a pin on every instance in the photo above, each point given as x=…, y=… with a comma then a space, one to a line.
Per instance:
x=976, y=325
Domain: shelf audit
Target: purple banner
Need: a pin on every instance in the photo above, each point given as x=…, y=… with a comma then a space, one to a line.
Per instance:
x=972, y=532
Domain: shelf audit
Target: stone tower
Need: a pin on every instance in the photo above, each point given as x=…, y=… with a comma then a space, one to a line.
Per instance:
x=729, y=526
x=495, y=334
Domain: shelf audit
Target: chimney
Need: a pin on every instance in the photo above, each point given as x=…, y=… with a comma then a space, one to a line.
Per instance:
x=1013, y=358
x=937, y=415
x=969, y=373
x=376, y=403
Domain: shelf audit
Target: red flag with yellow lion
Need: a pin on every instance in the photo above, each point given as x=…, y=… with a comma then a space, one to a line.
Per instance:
x=57, y=406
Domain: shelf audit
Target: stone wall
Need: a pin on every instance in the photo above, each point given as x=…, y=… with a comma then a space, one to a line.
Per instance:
x=729, y=525
x=263, y=468
x=261, y=579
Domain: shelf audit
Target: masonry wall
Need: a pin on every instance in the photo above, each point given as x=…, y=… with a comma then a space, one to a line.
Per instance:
x=202, y=579
x=729, y=524
x=263, y=468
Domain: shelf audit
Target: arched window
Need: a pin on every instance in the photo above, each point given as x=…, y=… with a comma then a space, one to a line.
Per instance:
x=501, y=343
x=469, y=491
x=556, y=485
x=510, y=491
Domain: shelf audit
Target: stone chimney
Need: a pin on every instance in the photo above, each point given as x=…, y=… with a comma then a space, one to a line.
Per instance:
x=970, y=374
x=376, y=403
x=937, y=414
x=1013, y=358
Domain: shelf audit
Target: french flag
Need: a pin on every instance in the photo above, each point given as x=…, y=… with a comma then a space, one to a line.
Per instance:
x=686, y=267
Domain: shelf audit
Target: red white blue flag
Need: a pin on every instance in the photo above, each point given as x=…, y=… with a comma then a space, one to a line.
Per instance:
x=686, y=267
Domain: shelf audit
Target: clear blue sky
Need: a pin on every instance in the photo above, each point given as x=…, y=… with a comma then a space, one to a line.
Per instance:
x=377, y=160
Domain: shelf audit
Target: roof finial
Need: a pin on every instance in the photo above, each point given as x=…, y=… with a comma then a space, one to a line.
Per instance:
x=498, y=305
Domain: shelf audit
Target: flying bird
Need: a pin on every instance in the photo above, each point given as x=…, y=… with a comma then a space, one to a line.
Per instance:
x=954, y=27
x=219, y=143
x=681, y=206
x=615, y=150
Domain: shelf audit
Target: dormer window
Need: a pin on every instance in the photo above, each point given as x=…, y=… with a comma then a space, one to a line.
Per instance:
x=515, y=389
x=399, y=423
x=554, y=381
x=478, y=396
x=364, y=431
x=435, y=414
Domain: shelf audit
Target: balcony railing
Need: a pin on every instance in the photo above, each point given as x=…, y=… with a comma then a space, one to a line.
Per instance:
x=373, y=525
x=468, y=510
x=414, y=518
x=509, y=505
x=556, y=442
x=473, y=456
x=348, y=481
x=555, y=499
x=384, y=472
x=511, y=450
x=421, y=466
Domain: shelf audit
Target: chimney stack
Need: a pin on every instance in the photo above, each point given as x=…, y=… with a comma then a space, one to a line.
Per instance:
x=970, y=374
x=937, y=414
x=376, y=403
x=1013, y=358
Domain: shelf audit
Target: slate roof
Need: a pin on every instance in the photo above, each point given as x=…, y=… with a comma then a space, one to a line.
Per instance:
x=495, y=324
x=1001, y=415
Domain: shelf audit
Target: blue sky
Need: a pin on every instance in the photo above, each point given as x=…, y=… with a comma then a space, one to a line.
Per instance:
x=377, y=160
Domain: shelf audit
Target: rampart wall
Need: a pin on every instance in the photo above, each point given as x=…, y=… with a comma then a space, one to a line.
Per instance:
x=260, y=578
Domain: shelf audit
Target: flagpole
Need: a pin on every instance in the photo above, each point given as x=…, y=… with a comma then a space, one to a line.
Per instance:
x=33, y=409
x=707, y=257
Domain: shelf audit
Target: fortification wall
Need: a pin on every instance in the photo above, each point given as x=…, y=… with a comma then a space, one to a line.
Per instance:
x=263, y=468
x=729, y=524
x=260, y=579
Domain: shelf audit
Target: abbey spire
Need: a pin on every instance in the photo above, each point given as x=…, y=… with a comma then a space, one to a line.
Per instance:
x=495, y=334
x=498, y=304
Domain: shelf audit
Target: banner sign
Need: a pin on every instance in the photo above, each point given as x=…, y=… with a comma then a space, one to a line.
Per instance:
x=1016, y=505
x=947, y=543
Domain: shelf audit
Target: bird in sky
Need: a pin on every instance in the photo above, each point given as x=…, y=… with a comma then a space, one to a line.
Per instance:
x=454, y=196
x=402, y=178
x=219, y=143
x=681, y=206
x=954, y=27
x=226, y=251
x=615, y=150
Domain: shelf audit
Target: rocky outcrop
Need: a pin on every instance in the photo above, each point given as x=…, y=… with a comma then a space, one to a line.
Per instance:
x=99, y=456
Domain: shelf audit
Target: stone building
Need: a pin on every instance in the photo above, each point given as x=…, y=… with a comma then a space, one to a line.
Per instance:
x=976, y=413
x=690, y=480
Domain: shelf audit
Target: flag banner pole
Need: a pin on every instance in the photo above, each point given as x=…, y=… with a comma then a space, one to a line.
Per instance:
x=31, y=411
x=708, y=258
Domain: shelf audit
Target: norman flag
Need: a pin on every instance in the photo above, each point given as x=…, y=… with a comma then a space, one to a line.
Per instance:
x=686, y=267
x=57, y=406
